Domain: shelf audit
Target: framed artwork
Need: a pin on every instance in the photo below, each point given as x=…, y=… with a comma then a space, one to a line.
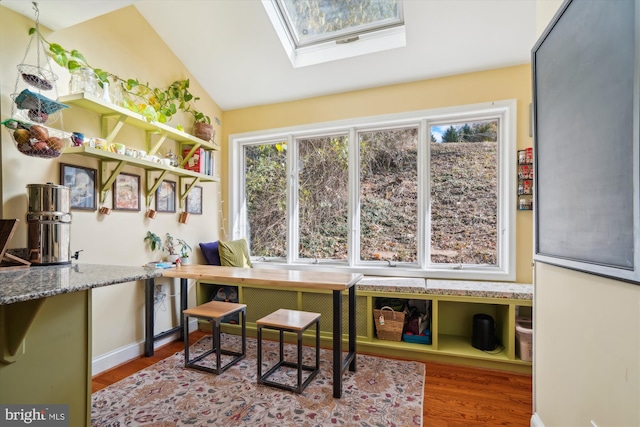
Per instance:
x=166, y=196
x=83, y=186
x=194, y=201
x=126, y=192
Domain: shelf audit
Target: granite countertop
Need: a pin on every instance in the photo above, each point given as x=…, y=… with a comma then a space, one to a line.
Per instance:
x=44, y=281
x=469, y=288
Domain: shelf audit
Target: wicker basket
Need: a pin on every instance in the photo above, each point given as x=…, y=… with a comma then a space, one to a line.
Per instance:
x=389, y=324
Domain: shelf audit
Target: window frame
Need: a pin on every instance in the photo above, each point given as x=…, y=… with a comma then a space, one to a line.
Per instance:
x=367, y=42
x=505, y=111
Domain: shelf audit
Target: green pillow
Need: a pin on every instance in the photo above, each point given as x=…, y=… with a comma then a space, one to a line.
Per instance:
x=234, y=253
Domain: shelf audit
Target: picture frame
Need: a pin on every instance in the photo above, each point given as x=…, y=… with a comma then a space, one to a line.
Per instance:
x=126, y=192
x=166, y=196
x=193, y=203
x=83, y=185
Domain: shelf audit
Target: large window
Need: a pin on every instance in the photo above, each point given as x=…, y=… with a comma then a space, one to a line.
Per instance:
x=427, y=193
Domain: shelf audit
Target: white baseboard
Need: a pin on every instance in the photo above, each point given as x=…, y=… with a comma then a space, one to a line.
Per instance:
x=536, y=421
x=124, y=354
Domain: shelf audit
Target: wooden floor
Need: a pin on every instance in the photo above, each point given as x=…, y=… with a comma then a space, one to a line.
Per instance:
x=454, y=396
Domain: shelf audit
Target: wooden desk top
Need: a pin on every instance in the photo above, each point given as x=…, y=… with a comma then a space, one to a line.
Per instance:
x=265, y=277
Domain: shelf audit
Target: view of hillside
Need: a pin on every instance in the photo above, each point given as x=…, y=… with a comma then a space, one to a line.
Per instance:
x=463, y=202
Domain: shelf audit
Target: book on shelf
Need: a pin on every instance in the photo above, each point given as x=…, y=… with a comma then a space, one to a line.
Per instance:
x=202, y=161
x=196, y=162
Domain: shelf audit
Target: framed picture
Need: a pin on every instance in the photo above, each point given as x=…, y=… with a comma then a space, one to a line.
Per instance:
x=83, y=185
x=126, y=192
x=194, y=201
x=166, y=197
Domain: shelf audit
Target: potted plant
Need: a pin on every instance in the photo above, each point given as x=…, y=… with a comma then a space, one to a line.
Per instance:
x=172, y=248
x=154, y=104
x=202, y=127
x=177, y=248
x=185, y=251
x=154, y=241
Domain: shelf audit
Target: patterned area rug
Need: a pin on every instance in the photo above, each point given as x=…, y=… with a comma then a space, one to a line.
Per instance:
x=383, y=392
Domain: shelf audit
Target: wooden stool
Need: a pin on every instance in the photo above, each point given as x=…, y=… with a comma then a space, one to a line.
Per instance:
x=214, y=312
x=292, y=321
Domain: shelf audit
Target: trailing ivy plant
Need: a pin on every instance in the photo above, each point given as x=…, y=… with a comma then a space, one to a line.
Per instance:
x=155, y=104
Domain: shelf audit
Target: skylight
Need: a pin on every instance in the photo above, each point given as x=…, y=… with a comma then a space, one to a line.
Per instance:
x=319, y=31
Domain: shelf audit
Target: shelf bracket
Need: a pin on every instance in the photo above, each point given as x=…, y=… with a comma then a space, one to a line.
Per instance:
x=186, y=158
x=15, y=321
x=151, y=191
x=154, y=147
x=111, y=136
x=106, y=185
x=183, y=196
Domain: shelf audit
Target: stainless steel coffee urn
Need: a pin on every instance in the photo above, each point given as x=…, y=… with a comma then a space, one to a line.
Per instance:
x=49, y=222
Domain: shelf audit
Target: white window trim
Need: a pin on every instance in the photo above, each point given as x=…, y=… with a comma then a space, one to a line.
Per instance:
x=369, y=42
x=505, y=110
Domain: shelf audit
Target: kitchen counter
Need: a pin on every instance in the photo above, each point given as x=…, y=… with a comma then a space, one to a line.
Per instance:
x=45, y=333
x=45, y=281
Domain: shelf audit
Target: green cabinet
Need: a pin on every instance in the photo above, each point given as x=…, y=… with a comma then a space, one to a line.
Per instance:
x=451, y=321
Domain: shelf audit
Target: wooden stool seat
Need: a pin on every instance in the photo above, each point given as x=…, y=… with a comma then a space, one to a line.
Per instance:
x=215, y=312
x=290, y=321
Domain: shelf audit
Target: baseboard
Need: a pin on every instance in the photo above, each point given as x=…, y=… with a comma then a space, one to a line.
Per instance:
x=124, y=354
x=536, y=421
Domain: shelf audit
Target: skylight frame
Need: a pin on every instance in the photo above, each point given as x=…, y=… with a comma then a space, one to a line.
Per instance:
x=348, y=43
x=340, y=35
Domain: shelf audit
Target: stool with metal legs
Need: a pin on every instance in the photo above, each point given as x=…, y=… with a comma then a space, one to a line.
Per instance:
x=214, y=312
x=291, y=321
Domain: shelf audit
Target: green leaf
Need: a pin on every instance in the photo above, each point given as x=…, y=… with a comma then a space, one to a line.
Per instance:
x=57, y=49
x=103, y=76
x=73, y=65
x=60, y=60
x=77, y=55
x=32, y=30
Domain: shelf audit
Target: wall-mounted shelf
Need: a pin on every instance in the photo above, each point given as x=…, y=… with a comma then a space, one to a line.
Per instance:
x=107, y=157
x=109, y=111
x=525, y=179
x=157, y=134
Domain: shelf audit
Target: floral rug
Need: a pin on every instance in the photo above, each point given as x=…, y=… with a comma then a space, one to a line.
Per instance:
x=382, y=392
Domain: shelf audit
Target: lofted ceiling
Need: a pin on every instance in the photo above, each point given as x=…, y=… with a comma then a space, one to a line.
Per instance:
x=246, y=64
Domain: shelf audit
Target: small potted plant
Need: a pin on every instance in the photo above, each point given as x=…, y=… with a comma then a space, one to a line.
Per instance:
x=177, y=248
x=202, y=127
x=154, y=241
x=185, y=251
x=172, y=248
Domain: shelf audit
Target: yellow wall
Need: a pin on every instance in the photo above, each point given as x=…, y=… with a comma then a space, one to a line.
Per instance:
x=123, y=43
x=494, y=85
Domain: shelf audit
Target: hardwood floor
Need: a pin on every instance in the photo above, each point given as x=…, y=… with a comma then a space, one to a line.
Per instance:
x=454, y=396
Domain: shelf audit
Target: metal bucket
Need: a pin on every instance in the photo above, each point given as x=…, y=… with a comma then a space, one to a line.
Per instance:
x=49, y=223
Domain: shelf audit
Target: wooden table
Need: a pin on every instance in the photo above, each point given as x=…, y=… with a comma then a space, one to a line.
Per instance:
x=273, y=279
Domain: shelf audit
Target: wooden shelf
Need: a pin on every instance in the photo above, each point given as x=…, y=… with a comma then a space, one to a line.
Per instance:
x=109, y=110
x=155, y=172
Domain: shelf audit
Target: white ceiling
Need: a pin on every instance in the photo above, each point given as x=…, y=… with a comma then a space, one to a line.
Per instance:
x=245, y=64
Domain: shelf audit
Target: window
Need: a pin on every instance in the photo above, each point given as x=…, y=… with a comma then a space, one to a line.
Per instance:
x=389, y=194
x=313, y=32
x=427, y=193
x=266, y=198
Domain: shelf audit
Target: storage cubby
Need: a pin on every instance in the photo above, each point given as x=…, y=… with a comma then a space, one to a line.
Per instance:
x=451, y=319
